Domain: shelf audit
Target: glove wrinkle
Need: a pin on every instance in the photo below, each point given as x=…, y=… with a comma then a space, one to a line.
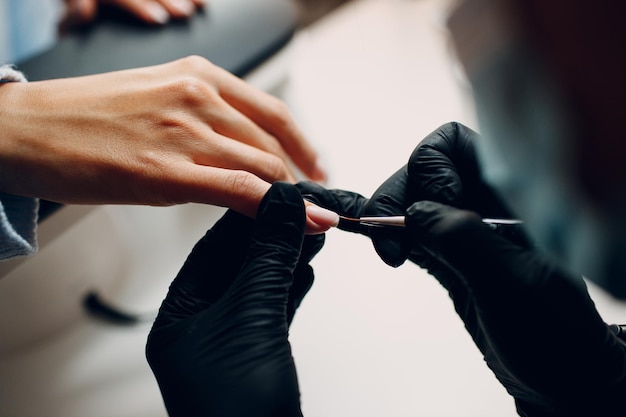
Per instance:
x=445, y=168
x=279, y=231
x=199, y=284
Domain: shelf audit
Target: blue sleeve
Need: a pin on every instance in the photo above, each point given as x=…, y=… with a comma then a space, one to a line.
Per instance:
x=18, y=226
x=18, y=215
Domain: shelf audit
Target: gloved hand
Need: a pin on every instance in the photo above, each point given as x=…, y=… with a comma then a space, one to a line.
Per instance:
x=534, y=323
x=219, y=346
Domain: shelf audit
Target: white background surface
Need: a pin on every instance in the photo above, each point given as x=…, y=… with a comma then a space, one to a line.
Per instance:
x=366, y=83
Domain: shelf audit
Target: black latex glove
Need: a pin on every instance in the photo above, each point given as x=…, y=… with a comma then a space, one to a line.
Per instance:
x=534, y=323
x=219, y=346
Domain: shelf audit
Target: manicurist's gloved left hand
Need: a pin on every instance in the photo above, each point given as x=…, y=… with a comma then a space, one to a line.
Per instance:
x=219, y=346
x=533, y=321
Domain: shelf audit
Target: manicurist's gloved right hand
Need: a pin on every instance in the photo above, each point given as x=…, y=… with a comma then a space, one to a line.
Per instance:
x=534, y=322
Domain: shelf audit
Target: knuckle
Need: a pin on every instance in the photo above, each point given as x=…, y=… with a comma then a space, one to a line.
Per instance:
x=191, y=91
x=243, y=191
x=194, y=63
x=241, y=183
x=275, y=168
x=179, y=127
x=162, y=181
x=199, y=67
x=456, y=225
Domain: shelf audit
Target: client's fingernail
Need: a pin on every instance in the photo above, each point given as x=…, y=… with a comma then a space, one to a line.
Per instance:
x=157, y=12
x=322, y=216
x=185, y=7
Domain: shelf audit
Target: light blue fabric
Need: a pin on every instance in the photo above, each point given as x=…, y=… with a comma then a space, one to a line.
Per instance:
x=18, y=226
x=27, y=27
x=18, y=215
x=5, y=44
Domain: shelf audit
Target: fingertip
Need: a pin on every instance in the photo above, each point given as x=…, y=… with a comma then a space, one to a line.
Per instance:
x=77, y=13
x=156, y=13
x=319, y=220
x=84, y=10
x=181, y=8
x=321, y=216
x=311, y=228
x=393, y=251
x=393, y=245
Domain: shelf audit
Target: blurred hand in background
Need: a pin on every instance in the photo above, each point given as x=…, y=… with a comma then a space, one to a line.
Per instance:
x=81, y=12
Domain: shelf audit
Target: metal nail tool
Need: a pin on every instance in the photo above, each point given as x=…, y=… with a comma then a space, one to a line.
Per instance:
x=398, y=221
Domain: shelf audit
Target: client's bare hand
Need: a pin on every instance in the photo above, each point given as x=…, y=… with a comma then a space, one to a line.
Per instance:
x=185, y=131
x=80, y=12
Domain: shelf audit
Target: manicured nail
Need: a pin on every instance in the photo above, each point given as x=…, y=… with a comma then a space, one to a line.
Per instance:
x=183, y=6
x=322, y=216
x=157, y=12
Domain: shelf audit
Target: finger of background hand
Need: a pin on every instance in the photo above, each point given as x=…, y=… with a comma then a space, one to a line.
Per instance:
x=156, y=11
x=179, y=8
x=77, y=13
x=271, y=114
x=150, y=11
